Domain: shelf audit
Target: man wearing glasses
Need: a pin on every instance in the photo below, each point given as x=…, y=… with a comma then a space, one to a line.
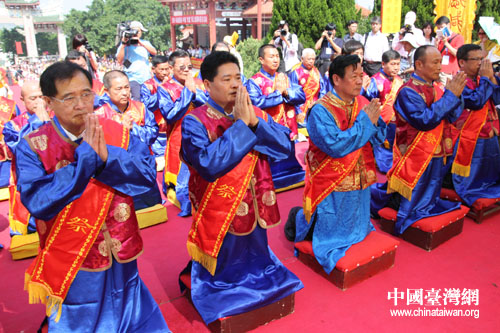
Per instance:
x=477, y=155
x=177, y=97
x=77, y=175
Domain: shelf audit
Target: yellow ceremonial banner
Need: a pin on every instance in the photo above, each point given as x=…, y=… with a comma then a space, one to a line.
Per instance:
x=461, y=14
x=391, y=16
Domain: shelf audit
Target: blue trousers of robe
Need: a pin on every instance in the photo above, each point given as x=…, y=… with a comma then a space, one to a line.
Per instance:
x=425, y=200
x=484, y=178
x=4, y=173
x=115, y=300
x=341, y=220
x=248, y=276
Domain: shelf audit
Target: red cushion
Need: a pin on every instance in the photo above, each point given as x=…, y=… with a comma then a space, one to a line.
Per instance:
x=373, y=246
x=449, y=194
x=429, y=224
x=388, y=214
x=479, y=204
x=482, y=203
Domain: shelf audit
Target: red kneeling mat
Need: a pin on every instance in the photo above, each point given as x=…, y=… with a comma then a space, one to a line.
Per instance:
x=478, y=205
x=428, y=224
x=373, y=246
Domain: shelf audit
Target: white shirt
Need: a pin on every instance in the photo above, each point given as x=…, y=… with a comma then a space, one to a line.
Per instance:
x=289, y=53
x=375, y=46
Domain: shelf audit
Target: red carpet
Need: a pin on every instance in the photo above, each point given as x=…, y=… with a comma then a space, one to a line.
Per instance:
x=468, y=261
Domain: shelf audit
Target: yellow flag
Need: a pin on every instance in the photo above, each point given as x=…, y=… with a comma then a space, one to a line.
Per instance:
x=461, y=14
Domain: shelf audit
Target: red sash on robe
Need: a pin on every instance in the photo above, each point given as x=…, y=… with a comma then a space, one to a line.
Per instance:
x=284, y=113
x=310, y=82
x=97, y=87
x=469, y=134
x=136, y=110
x=218, y=207
x=172, y=159
x=388, y=91
x=152, y=86
x=325, y=174
x=74, y=231
x=18, y=214
x=7, y=112
x=409, y=166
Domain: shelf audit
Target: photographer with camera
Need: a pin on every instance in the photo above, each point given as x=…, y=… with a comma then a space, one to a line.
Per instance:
x=329, y=45
x=289, y=44
x=133, y=54
x=81, y=44
x=418, y=38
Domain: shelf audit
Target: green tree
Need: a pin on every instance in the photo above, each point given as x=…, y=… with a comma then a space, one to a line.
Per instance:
x=249, y=51
x=303, y=18
x=343, y=11
x=423, y=8
x=47, y=42
x=100, y=21
x=8, y=39
x=486, y=8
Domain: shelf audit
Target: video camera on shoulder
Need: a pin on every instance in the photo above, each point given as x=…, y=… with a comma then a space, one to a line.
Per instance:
x=125, y=31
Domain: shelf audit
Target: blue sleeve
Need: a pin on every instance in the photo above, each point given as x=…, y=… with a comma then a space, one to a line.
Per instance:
x=296, y=95
x=101, y=100
x=372, y=91
x=273, y=139
x=148, y=99
x=325, y=134
x=201, y=98
x=294, y=79
x=46, y=195
x=381, y=134
x=149, y=132
x=260, y=100
x=475, y=99
x=323, y=87
x=174, y=110
x=412, y=107
x=18, y=111
x=131, y=171
x=12, y=137
x=214, y=159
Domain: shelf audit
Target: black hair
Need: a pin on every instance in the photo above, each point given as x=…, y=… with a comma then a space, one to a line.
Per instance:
x=60, y=71
x=389, y=55
x=110, y=76
x=330, y=26
x=351, y=22
x=463, y=51
x=158, y=59
x=217, y=44
x=442, y=19
x=263, y=48
x=79, y=40
x=74, y=55
x=350, y=46
x=376, y=19
x=213, y=61
x=177, y=54
x=420, y=52
x=340, y=63
x=429, y=24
